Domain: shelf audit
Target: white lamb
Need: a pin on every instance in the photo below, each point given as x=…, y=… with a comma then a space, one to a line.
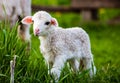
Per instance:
x=11, y=10
x=59, y=45
x=24, y=30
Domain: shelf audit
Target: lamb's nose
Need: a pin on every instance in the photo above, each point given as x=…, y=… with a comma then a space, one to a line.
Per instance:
x=37, y=31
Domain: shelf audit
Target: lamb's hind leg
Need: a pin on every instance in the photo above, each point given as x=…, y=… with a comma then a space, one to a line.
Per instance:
x=87, y=57
x=89, y=65
x=74, y=63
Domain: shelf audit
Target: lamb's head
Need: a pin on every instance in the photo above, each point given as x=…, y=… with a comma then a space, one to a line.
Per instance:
x=42, y=21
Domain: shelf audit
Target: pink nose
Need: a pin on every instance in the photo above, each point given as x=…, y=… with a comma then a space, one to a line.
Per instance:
x=37, y=31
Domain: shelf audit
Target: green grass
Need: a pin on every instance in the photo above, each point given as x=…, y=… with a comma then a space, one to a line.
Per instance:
x=30, y=67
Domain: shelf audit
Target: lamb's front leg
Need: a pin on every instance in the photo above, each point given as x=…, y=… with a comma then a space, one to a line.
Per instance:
x=58, y=66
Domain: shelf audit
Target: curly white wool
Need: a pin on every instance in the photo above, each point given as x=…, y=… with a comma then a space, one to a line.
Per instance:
x=60, y=45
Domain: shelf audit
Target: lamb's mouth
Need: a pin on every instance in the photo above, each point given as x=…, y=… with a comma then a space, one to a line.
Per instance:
x=37, y=34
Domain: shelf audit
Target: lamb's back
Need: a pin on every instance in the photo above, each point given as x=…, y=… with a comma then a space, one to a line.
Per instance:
x=67, y=39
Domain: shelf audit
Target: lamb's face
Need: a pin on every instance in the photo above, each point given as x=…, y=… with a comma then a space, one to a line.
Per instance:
x=42, y=22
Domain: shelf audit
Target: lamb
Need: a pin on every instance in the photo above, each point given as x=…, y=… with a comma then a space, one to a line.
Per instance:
x=24, y=30
x=12, y=10
x=60, y=45
x=9, y=10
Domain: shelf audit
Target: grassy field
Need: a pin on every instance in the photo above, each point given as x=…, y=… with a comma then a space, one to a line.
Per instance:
x=30, y=67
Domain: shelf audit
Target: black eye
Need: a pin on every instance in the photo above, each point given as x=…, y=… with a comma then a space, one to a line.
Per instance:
x=47, y=23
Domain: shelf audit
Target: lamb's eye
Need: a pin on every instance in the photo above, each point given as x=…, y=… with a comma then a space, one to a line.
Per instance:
x=47, y=23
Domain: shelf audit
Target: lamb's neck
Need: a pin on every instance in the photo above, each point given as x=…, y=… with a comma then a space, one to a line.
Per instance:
x=44, y=40
x=49, y=31
x=45, y=37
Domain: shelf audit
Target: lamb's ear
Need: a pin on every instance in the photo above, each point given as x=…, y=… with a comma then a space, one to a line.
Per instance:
x=54, y=22
x=27, y=20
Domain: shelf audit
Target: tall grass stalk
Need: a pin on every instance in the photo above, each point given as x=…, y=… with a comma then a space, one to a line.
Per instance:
x=12, y=68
